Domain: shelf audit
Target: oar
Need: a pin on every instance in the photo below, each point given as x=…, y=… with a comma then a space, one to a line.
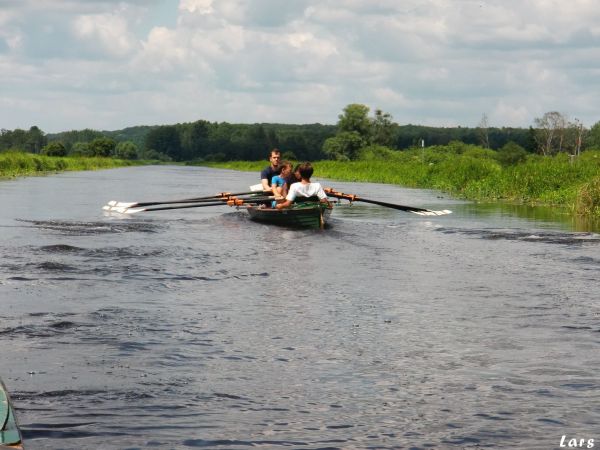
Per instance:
x=231, y=202
x=114, y=203
x=355, y=198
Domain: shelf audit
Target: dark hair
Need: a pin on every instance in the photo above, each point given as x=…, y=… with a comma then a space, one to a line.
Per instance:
x=275, y=150
x=306, y=170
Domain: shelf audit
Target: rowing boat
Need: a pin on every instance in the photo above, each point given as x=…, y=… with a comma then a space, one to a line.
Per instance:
x=300, y=215
x=10, y=436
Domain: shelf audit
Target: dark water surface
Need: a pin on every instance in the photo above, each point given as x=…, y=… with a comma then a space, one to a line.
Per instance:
x=201, y=329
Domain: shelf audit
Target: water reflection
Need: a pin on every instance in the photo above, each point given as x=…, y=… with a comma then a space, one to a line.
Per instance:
x=543, y=216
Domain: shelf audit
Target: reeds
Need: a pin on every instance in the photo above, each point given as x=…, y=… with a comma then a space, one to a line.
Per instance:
x=16, y=163
x=473, y=173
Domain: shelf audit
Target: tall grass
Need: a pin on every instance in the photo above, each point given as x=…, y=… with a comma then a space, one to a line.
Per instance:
x=15, y=163
x=470, y=172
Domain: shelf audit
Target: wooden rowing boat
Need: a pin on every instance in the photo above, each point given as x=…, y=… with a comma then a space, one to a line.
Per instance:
x=300, y=215
x=10, y=436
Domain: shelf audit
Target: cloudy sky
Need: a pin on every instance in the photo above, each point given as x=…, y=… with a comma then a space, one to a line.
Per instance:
x=108, y=64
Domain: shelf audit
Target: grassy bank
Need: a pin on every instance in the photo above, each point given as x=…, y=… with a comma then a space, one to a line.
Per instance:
x=14, y=164
x=474, y=173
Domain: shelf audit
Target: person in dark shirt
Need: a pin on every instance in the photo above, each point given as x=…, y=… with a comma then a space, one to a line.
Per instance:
x=269, y=172
x=293, y=177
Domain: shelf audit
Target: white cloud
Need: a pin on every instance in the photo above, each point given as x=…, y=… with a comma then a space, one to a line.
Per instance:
x=199, y=6
x=109, y=31
x=437, y=62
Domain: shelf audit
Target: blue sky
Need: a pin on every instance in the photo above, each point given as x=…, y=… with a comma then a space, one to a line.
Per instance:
x=106, y=65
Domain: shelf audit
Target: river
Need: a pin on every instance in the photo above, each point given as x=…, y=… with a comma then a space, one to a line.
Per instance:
x=199, y=328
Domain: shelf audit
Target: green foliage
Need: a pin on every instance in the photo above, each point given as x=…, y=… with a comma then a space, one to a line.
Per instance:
x=588, y=198
x=153, y=155
x=593, y=137
x=289, y=156
x=165, y=140
x=355, y=120
x=103, y=147
x=511, y=153
x=17, y=163
x=356, y=131
x=32, y=140
x=382, y=129
x=54, y=149
x=81, y=149
x=379, y=152
x=126, y=150
x=69, y=138
x=344, y=146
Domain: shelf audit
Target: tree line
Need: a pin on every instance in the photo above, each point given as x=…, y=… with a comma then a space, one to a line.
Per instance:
x=357, y=133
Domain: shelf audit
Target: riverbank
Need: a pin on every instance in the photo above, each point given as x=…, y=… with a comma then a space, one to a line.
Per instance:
x=474, y=174
x=13, y=164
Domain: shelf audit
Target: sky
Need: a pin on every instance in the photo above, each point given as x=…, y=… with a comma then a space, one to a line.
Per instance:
x=108, y=64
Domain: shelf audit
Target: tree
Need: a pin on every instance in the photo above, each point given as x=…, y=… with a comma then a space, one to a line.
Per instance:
x=344, y=146
x=550, y=132
x=103, y=147
x=593, y=138
x=194, y=139
x=165, y=139
x=81, y=149
x=511, y=153
x=483, y=131
x=382, y=129
x=355, y=118
x=126, y=150
x=54, y=149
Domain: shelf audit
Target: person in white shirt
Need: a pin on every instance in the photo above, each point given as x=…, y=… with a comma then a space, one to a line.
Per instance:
x=304, y=189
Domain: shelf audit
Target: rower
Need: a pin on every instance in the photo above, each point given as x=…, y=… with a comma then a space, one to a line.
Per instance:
x=270, y=171
x=305, y=189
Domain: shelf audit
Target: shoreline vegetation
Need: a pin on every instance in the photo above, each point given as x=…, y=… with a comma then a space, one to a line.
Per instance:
x=473, y=173
x=18, y=163
x=461, y=170
x=554, y=164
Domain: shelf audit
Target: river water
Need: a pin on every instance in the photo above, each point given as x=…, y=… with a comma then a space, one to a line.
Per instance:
x=198, y=328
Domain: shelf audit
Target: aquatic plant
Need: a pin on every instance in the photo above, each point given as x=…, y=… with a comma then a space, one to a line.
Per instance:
x=17, y=163
x=588, y=198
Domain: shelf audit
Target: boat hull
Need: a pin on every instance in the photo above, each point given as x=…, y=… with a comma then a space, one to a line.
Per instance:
x=302, y=215
x=10, y=436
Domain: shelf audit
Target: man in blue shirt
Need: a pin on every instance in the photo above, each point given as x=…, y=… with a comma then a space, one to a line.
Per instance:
x=269, y=172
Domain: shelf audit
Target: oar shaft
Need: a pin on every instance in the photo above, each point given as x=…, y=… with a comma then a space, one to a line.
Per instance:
x=222, y=195
x=351, y=197
x=234, y=202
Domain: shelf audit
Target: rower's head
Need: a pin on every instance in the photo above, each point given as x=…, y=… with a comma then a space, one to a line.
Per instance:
x=275, y=158
x=286, y=168
x=306, y=170
x=297, y=172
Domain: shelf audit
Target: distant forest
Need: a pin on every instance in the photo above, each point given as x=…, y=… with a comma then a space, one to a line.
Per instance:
x=212, y=141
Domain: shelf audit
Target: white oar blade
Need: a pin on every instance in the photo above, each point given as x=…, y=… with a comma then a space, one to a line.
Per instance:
x=433, y=213
x=122, y=204
x=122, y=209
x=115, y=204
x=132, y=210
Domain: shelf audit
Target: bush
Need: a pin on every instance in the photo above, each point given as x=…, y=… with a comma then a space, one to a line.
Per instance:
x=588, y=198
x=511, y=154
x=126, y=150
x=54, y=149
x=81, y=149
x=103, y=147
